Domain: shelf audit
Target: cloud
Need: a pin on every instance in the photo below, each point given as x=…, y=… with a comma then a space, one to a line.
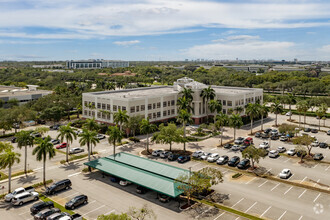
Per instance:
x=126, y=43
x=237, y=38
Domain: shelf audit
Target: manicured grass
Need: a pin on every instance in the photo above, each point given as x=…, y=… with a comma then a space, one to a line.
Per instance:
x=76, y=157
x=5, y=176
x=307, y=159
x=236, y=175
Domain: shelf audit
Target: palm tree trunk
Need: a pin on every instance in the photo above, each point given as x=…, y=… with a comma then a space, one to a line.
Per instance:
x=44, y=171
x=234, y=133
x=184, y=136
x=319, y=124
x=148, y=142
x=251, y=125
x=275, y=120
x=89, y=152
x=290, y=111
x=25, y=171
x=299, y=119
x=9, y=178
x=262, y=121
x=221, y=131
x=67, y=151
x=114, y=148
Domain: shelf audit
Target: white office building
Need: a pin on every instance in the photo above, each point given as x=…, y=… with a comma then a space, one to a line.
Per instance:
x=96, y=64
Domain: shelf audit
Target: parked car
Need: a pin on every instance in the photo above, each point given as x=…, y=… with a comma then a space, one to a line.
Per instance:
x=233, y=161
x=323, y=145
x=281, y=149
x=76, y=201
x=63, y=145
x=24, y=197
x=264, y=145
x=205, y=156
x=55, y=127
x=315, y=144
x=273, y=154
x=54, y=141
x=213, y=157
x=197, y=154
x=40, y=206
x=318, y=156
x=288, y=114
x=328, y=132
x=165, y=154
x=283, y=138
x=173, y=157
x=18, y=191
x=228, y=146
x=239, y=140
x=268, y=130
x=235, y=147
x=156, y=153
x=100, y=136
x=57, y=215
x=76, y=150
x=265, y=135
x=274, y=132
x=248, y=141
x=75, y=216
x=183, y=159
x=13, y=139
x=307, y=130
x=243, y=147
x=141, y=190
x=244, y=164
x=257, y=134
x=58, y=186
x=314, y=130
x=223, y=160
x=302, y=153
x=42, y=215
x=163, y=198
x=274, y=137
x=35, y=134
x=124, y=182
x=291, y=152
x=285, y=173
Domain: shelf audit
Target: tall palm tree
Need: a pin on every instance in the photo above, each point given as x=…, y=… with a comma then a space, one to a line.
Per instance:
x=68, y=133
x=44, y=148
x=319, y=114
x=215, y=107
x=7, y=159
x=187, y=93
x=235, y=121
x=299, y=107
x=276, y=108
x=184, y=117
x=252, y=109
x=303, y=107
x=146, y=128
x=24, y=139
x=120, y=118
x=88, y=137
x=184, y=103
x=238, y=110
x=91, y=124
x=291, y=99
x=42, y=130
x=221, y=120
x=207, y=94
x=263, y=109
x=115, y=135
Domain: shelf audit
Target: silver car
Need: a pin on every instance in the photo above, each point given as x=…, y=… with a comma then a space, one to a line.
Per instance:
x=25, y=197
x=76, y=150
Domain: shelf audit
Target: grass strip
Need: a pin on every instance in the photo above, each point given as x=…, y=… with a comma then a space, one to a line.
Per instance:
x=5, y=176
x=77, y=157
x=308, y=159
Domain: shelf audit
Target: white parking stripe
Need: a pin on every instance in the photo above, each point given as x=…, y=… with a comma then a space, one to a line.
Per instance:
x=238, y=202
x=287, y=160
x=315, y=165
x=317, y=182
x=39, y=168
x=282, y=215
x=250, y=180
x=303, y=179
x=103, y=150
x=288, y=190
x=302, y=193
x=265, y=211
x=269, y=170
x=251, y=207
x=291, y=176
x=275, y=187
x=93, y=210
x=74, y=174
x=300, y=217
x=237, y=218
x=219, y=216
x=317, y=197
x=24, y=213
x=195, y=164
x=327, y=168
x=109, y=212
x=214, y=148
x=263, y=183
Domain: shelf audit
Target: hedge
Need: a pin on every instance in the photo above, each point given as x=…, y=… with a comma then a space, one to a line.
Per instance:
x=312, y=114
x=7, y=135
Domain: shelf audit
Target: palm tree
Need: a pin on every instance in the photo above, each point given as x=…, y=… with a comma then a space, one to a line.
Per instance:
x=187, y=93
x=147, y=128
x=7, y=159
x=299, y=107
x=276, y=108
x=235, y=121
x=184, y=117
x=91, y=124
x=215, y=107
x=252, y=110
x=115, y=135
x=263, y=109
x=43, y=149
x=319, y=114
x=68, y=133
x=303, y=106
x=42, y=130
x=88, y=137
x=24, y=139
x=120, y=118
x=184, y=103
x=291, y=99
x=207, y=94
x=238, y=110
x=222, y=120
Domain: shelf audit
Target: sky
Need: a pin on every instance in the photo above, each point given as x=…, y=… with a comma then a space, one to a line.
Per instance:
x=164, y=29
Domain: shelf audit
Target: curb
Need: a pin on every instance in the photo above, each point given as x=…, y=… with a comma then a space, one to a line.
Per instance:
x=16, y=177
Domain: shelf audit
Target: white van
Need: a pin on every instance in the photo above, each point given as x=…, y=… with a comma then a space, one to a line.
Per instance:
x=22, y=198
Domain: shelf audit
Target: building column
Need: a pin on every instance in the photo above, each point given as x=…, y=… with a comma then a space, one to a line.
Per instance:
x=146, y=108
x=161, y=107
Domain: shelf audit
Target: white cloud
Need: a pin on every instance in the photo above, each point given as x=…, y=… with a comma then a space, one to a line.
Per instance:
x=126, y=43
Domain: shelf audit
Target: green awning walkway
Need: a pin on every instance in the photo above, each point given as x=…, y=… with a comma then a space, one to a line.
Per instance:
x=156, y=176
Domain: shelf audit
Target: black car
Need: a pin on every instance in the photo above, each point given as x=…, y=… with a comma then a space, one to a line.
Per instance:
x=223, y=160
x=141, y=190
x=307, y=130
x=328, y=132
x=274, y=137
x=301, y=153
x=233, y=161
x=76, y=201
x=40, y=206
x=265, y=135
x=13, y=139
x=183, y=159
x=257, y=135
x=314, y=130
x=323, y=145
x=318, y=156
x=173, y=157
x=163, y=198
x=58, y=186
x=267, y=130
x=55, y=127
x=228, y=146
x=245, y=163
x=243, y=148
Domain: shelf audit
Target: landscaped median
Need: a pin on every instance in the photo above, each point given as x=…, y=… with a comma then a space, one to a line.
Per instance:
x=4, y=176
x=307, y=159
x=77, y=157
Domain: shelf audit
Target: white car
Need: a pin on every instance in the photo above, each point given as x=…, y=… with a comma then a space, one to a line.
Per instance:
x=22, y=198
x=291, y=152
x=197, y=154
x=315, y=144
x=213, y=157
x=281, y=149
x=286, y=173
x=239, y=140
x=283, y=138
x=264, y=145
x=235, y=147
x=205, y=155
x=76, y=150
x=124, y=182
x=288, y=114
x=274, y=132
x=273, y=154
x=156, y=153
x=100, y=136
x=78, y=132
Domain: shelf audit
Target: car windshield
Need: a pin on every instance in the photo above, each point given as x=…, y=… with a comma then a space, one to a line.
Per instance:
x=233, y=159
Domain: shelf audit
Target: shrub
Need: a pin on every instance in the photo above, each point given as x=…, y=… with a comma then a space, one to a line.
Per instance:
x=41, y=184
x=7, y=135
x=236, y=175
x=134, y=139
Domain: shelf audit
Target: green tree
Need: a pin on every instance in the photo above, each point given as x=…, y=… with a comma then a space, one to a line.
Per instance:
x=303, y=107
x=221, y=121
x=207, y=94
x=304, y=140
x=53, y=114
x=91, y=124
x=287, y=129
x=133, y=123
x=142, y=213
x=168, y=134
x=146, y=128
x=184, y=117
x=215, y=107
x=66, y=132
x=253, y=154
x=24, y=139
x=113, y=216
x=276, y=108
x=44, y=148
x=291, y=100
x=12, y=103
x=235, y=121
x=42, y=130
x=238, y=110
x=184, y=103
x=187, y=93
x=115, y=135
x=120, y=118
x=301, y=150
x=319, y=114
x=88, y=137
x=263, y=109
x=252, y=110
x=1, y=103
x=7, y=159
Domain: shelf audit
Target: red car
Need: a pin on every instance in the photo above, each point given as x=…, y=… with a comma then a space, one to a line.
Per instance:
x=248, y=141
x=63, y=145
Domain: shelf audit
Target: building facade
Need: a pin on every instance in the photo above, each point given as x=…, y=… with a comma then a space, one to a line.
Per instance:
x=95, y=64
x=160, y=103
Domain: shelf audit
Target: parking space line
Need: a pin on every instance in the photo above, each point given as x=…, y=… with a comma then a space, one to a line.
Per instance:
x=224, y=172
x=251, y=207
x=275, y=187
x=195, y=164
x=317, y=182
x=269, y=170
x=288, y=190
x=263, y=183
x=238, y=202
x=302, y=193
x=237, y=218
x=303, y=179
x=74, y=174
x=327, y=168
x=291, y=176
x=93, y=210
x=109, y=212
x=265, y=211
x=214, y=148
x=286, y=160
x=104, y=150
x=219, y=216
x=250, y=180
x=282, y=215
x=317, y=197
x=315, y=165
x=300, y=217
x=39, y=168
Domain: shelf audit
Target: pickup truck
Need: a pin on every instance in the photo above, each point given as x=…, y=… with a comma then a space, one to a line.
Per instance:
x=75, y=216
x=17, y=191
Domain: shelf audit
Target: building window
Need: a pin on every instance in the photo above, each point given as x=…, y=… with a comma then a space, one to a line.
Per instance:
x=137, y=108
x=230, y=103
x=108, y=116
x=93, y=104
x=99, y=114
x=85, y=103
x=93, y=113
x=164, y=104
x=123, y=108
x=224, y=102
x=172, y=111
x=168, y=112
x=164, y=113
x=119, y=107
x=98, y=105
x=108, y=107
x=150, y=116
x=103, y=115
x=158, y=104
x=85, y=112
x=236, y=103
x=149, y=106
x=103, y=106
x=172, y=102
x=114, y=107
x=142, y=107
x=133, y=109
x=158, y=114
x=89, y=113
x=154, y=115
x=224, y=111
x=153, y=105
x=168, y=103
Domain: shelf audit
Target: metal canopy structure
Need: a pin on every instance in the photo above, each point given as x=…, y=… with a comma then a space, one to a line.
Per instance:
x=144, y=172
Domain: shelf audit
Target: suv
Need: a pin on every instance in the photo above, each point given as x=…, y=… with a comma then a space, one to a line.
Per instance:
x=40, y=206
x=233, y=161
x=323, y=145
x=239, y=140
x=58, y=186
x=223, y=160
x=245, y=163
x=76, y=201
x=22, y=198
x=45, y=213
x=173, y=157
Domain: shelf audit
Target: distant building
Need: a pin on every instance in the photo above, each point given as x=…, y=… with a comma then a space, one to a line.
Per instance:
x=57, y=66
x=96, y=64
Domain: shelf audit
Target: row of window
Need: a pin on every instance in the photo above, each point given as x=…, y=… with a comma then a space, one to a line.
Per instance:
x=156, y=115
